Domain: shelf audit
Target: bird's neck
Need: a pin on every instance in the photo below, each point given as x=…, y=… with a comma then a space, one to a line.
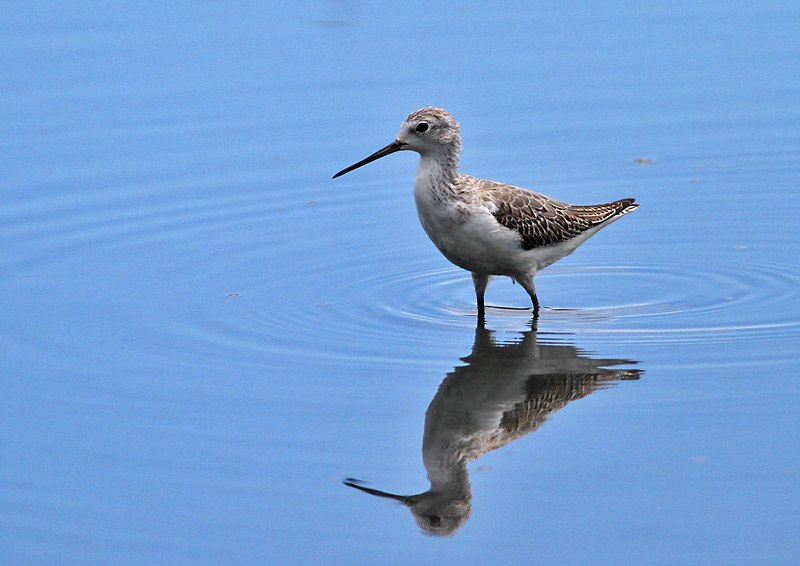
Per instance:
x=437, y=171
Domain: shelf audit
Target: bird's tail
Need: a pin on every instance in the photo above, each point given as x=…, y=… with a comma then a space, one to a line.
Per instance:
x=599, y=213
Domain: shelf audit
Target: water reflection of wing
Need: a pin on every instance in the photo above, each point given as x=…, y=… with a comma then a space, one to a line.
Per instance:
x=504, y=391
x=507, y=390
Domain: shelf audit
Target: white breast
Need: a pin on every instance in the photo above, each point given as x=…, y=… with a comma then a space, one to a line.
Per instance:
x=467, y=234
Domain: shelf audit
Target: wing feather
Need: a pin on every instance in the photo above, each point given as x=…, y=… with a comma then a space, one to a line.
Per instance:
x=543, y=221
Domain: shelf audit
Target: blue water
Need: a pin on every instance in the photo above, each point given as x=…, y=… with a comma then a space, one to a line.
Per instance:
x=202, y=335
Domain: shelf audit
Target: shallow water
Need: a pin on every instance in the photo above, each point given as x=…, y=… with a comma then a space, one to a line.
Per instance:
x=204, y=335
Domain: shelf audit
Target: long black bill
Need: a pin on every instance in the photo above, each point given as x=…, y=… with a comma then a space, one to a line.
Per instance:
x=404, y=498
x=396, y=145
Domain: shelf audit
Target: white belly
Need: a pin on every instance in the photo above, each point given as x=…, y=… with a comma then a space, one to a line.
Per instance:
x=472, y=239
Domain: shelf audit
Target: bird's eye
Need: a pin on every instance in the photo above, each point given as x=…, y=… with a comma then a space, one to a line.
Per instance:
x=435, y=519
x=422, y=127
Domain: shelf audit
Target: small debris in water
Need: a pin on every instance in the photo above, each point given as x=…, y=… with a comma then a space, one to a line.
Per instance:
x=233, y=294
x=643, y=161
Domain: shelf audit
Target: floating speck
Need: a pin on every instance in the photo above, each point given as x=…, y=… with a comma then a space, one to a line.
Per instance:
x=643, y=161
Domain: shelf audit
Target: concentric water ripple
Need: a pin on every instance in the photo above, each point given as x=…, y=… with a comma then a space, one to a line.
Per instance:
x=327, y=279
x=735, y=299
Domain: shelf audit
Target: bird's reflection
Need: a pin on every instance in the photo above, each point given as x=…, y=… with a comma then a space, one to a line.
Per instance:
x=504, y=391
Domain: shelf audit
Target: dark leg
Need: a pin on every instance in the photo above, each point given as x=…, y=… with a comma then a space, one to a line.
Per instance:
x=528, y=284
x=481, y=282
x=481, y=318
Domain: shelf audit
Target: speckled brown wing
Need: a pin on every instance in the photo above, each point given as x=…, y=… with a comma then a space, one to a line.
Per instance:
x=543, y=221
x=548, y=393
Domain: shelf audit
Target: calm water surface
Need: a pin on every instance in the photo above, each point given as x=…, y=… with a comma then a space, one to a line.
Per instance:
x=204, y=336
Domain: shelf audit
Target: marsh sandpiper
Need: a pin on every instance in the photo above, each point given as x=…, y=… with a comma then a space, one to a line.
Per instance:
x=485, y=227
